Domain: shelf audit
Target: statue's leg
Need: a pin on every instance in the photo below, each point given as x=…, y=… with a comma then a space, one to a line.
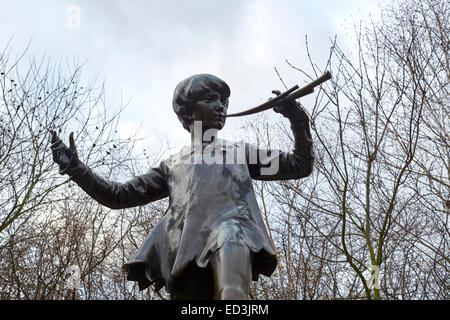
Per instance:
x=232, y=271
x=195, y=283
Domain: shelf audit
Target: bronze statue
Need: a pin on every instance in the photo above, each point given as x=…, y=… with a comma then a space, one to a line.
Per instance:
x=212, y=241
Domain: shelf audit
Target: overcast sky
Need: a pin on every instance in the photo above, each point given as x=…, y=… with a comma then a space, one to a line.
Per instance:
x=142, y=49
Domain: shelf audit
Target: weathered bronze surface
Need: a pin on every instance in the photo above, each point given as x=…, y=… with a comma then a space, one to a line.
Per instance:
x=212, y=240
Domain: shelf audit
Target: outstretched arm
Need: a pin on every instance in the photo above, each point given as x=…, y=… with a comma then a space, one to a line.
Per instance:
x=277, y=165
x=138, y=191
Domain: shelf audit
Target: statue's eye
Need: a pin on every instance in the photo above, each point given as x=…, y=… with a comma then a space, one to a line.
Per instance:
x=210, y=97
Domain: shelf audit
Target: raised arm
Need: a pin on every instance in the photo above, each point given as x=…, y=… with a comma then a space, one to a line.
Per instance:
x=277, y=165
x=143, y=189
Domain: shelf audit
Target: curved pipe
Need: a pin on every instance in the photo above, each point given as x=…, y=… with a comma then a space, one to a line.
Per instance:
x=290, y=94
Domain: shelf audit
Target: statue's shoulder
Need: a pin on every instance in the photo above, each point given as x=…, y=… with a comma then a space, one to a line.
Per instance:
x=178, y=157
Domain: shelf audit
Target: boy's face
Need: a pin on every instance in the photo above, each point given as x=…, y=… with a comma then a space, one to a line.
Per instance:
x=210, y=108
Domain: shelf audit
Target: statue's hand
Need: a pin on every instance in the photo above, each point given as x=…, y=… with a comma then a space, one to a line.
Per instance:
x=62, y=154
x=291, y=110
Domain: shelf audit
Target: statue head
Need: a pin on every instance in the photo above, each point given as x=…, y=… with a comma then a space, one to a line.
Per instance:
x=201, y=97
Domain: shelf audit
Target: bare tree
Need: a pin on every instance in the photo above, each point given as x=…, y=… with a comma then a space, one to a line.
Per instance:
x=46, y=226
x=35, y=98
x=372, y=222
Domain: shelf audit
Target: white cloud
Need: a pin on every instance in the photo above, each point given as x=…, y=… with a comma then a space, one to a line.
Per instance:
x=144, y=48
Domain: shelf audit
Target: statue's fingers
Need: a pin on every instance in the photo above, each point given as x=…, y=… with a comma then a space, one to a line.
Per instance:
x=54, y=136
x=61, y=146
x=72, y=142
x=57, y=144
x=277, y=92
x=55, y=153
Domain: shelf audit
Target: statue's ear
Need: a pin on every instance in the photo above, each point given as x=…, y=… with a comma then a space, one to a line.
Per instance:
x=185, y=119
x=188, y=110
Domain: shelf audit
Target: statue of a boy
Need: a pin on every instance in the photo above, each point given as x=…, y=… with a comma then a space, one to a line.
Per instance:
x=212, y=240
